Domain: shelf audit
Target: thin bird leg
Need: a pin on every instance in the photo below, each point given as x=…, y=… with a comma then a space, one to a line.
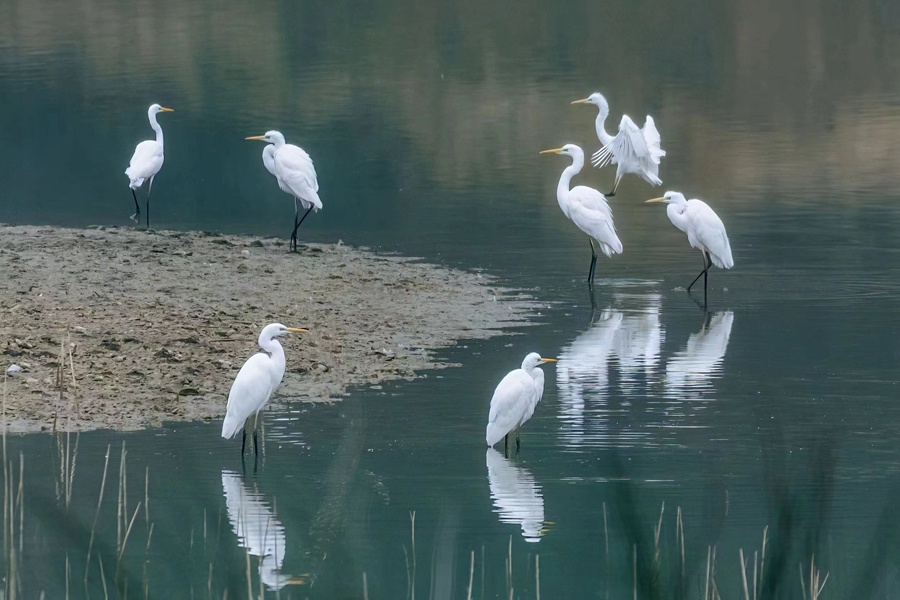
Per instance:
x=137, y=207
x=615, y=187
x=149, y=189
x=517, y=441
x=243, y=443
x=293, y=245
x=703, y=272
x=297, y=225
x=506, y=446
x=593, y=263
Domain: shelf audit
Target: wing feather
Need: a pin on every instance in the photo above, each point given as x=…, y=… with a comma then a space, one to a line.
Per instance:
x=250, y=392
x=295, y=171
x=146, y=161
x=512, y=400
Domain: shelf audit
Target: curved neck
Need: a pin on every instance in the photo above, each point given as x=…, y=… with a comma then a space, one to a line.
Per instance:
x=677, y=216
x=599, y=124
x=156, y=128
x=566, y=178
x=278, y=143
x=273, y=348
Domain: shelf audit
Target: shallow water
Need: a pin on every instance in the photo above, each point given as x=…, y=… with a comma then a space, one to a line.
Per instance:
x=776, y=407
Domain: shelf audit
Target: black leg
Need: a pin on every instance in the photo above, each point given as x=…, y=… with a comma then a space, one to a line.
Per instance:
x=506, y=446
x=148, y=211
x=517, y=441
x=293, y=244
x=243, y=443
x=298, y=224
x=703, y=272
x=137, y=207
x=593, y=263
x=255, y=443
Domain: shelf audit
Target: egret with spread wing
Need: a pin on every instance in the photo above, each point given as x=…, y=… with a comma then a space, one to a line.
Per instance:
x=255, y=383
x=586, y=207
x=295, y=173
x=633, y=149
x=146, y=162
x=704, y=229
x=515, y=399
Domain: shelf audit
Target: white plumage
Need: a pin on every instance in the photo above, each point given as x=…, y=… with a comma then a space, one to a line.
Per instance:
x=255, y=383
x=586, y=207
x=704, y=229
x=515, y=399
x=146, y=161
x=516, y=495
x=635, y=150
x=295, y=173
x=690, y=370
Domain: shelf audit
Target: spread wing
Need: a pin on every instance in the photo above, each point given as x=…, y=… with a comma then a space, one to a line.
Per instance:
x=628, y=146
x=513, y=398
x=653, y=141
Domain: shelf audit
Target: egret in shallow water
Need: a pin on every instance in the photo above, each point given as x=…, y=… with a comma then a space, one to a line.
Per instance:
x=633, y=149
x=515, y=399
x=146, y=162
x=586, y=207
x=255, y=383
x=294, y=171
x=704, y=229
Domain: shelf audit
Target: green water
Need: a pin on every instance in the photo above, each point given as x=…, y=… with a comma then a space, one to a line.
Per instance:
x=775, y=408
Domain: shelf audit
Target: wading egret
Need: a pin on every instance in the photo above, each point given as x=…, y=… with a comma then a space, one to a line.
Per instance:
x=586, y=207
x=255, y=382
x=634, y=150
x=146, y=162
x=515, y=399
x=704, y=229
x=295, y=173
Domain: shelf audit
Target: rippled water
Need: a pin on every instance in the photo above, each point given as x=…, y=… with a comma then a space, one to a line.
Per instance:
x=775, y=407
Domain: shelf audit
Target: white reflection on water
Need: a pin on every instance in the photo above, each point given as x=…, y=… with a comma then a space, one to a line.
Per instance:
x=516, y=495
x=257, y=529
x=692, y=370
x=584, y=367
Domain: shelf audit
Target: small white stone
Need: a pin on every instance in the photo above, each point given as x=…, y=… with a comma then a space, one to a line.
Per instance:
x=13, y=369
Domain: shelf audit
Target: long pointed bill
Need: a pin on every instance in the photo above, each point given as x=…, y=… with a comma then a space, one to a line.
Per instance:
x=546, y=360
x=255, y=137
x=297, y=330
x=582, y=101
x=656, y=200
x=552, y=151
x=164, y=109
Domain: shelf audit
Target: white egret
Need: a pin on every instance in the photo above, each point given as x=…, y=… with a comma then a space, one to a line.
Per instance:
x=146, y=162
x=586, y=207
x=295, y=173
x=704, y=229
x=515, y=399
x=691, y=370
x=255, y=382
x=634, y=150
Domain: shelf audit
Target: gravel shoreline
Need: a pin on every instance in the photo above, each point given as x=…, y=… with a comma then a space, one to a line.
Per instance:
x=155, y=325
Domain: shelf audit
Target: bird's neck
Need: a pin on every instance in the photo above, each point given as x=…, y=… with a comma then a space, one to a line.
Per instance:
x=155, y=125
x=677, y=216
x=600, y=124
x=565, y=180
x=273, y=348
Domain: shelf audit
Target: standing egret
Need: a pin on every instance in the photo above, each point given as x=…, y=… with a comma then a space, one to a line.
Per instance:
x=634, y=150
x=255, y=382
x=704, y=229
x=295, y=173
x=515, y=399
x=146, y=162
x=586, y=207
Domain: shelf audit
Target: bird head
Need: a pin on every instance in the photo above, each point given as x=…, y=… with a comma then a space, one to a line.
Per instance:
x=156, y=108
x=569, y=150
x=275, y=330
x=534, y=359
x=669, y=198
x=270, y=137
x=596, y=99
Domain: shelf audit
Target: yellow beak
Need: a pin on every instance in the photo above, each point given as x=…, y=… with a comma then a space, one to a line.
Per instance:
x=164, y=109
x=582, y=101
x=546, y=360
x=255, y=137
x=552, y=151
x=656, y=200
x=297, y=330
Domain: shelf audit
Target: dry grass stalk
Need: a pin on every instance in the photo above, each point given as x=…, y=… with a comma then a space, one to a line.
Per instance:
x=471, y=575
x=816, y=582
x=96, y=516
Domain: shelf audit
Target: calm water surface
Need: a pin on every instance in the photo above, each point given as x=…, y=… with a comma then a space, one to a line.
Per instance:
x=775, y=408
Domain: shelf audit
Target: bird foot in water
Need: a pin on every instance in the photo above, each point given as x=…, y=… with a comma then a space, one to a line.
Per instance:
x=136, y=217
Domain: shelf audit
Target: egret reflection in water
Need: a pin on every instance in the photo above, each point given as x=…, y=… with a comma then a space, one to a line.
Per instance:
x=630, y=343
x=516, y=495
x=257, y=530
x=691, y=370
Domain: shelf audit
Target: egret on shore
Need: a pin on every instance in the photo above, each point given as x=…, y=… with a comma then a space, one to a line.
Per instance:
x=704, y=229
x=295, y=173
x=255, y=382
x=515, y=399
x=586, y=207
x=634, y=150
x=146, y=162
